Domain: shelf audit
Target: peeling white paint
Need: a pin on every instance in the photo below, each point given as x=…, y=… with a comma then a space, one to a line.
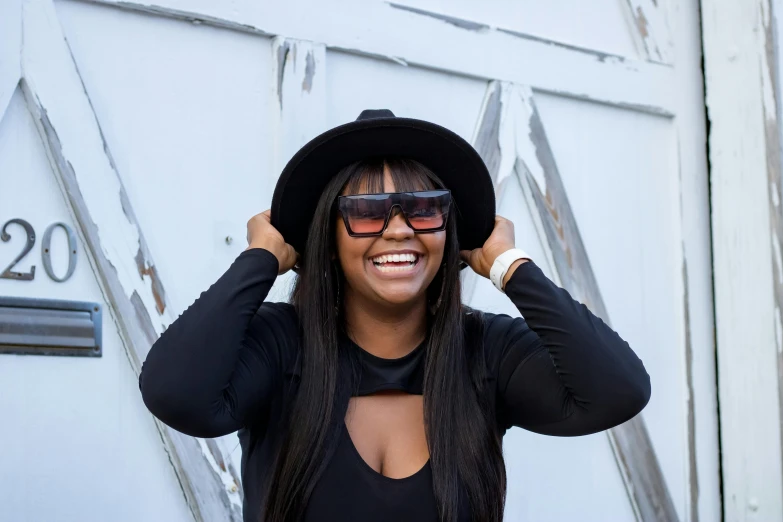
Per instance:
x=299, y=125
x=301, y=91
x=524, y=150
x=542, y=20
x=767, y=82
x=702, y=470
x=232, y=492
x=507, y=140
x=744, y=152
x=765, y=11
x=373, y=27
x=777, y=258
x=50, y=72
x=515, y=134
x=526, y=147
x=301, y=116
x=650, y=27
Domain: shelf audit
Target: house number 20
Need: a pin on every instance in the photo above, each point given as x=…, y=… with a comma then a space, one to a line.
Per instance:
x=45, y=251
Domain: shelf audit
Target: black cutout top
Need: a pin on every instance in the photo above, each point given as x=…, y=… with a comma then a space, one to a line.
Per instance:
x=223, y=364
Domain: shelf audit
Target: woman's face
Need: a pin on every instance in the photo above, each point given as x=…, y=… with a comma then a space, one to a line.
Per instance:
x=375, y=277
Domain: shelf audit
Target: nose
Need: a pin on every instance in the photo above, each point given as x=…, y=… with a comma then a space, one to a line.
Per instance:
x=397, y=229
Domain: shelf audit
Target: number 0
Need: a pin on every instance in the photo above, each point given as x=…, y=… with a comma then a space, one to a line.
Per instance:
x=45, y=249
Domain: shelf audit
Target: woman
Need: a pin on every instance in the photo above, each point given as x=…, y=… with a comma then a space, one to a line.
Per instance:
x=376, y=394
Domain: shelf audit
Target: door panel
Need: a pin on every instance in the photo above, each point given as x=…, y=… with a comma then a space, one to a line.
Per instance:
x=77, y=442
x=622, y=185
x=200, y=105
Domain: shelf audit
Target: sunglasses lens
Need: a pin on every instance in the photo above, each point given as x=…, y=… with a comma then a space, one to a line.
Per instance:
x=426, y=210
x=366, y=215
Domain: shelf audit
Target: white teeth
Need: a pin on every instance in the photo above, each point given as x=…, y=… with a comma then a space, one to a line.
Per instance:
x=379, y=261
x=387, y=269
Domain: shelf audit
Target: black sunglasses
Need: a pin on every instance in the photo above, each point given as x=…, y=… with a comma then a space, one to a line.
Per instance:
x=368, y=214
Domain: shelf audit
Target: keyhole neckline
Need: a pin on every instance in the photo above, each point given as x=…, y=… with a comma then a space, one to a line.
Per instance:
x=369, y=469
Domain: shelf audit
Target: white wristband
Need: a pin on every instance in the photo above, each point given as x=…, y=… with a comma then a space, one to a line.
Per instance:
x=501, y=265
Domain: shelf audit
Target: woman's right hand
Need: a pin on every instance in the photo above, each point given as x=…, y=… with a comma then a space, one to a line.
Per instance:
x=261, y=234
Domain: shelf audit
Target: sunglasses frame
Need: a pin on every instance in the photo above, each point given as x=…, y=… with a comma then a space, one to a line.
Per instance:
x=441, y=192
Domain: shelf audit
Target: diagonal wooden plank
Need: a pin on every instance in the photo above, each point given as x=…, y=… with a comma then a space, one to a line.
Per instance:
x=486, y=141
x=650, y=29
x=432, y=42
x=115, y=244
x=537, y=171
x=10, y=50
x=494, y=139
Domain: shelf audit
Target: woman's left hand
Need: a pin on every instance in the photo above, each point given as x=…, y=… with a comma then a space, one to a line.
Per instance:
x=501, y=239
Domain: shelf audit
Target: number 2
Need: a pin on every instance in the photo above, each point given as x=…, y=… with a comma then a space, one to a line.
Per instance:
x=28, y=228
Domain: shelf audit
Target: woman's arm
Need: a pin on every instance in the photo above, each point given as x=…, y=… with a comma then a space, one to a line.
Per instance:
x=219, y=363
x=561, y=370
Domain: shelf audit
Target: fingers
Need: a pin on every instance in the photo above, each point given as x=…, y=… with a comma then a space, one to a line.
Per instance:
x=292, y=259
x=292, y=254
x=503, y=223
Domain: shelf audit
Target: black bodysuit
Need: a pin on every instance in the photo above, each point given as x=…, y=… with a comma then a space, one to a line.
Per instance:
x=224, y=363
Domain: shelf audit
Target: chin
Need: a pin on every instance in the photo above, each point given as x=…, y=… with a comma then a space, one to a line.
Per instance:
x=398, y=297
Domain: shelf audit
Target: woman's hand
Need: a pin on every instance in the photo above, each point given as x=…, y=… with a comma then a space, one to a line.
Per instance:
x=500, y=240
x=261, y=234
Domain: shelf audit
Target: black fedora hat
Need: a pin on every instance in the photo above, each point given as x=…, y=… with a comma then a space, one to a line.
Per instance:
x=380, y=133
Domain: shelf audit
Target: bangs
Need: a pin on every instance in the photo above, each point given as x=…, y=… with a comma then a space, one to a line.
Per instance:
x=406, y=174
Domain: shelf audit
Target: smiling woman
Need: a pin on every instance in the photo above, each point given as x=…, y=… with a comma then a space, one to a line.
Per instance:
x=372, y=263
x=376, y=394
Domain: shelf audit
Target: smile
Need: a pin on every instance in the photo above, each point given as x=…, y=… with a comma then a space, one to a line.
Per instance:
x=388, y=263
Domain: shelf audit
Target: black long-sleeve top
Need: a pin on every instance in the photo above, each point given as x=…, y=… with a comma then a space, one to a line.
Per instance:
x=223, y=364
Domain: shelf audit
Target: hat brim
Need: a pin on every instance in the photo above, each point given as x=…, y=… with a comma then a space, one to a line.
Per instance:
x=444, y=152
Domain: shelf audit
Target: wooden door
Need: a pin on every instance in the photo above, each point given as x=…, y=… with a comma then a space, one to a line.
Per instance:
x=166, y=123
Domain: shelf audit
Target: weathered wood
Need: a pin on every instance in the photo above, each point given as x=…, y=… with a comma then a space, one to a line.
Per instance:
x=300, y=91
x=630, y=441
x=372, y=29
x=486, y=138
x=10, y=51
x=648, y=24
x=299, y=94
x=115, y=243
x=487, y=143
x=522, y=139
x=742, y=59
x=697, y=326
x=773, y=118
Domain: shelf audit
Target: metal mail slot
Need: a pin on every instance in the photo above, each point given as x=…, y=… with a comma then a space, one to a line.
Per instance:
x=50, y=327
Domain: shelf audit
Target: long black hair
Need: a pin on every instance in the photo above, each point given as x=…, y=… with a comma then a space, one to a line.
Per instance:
x=464, y=442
